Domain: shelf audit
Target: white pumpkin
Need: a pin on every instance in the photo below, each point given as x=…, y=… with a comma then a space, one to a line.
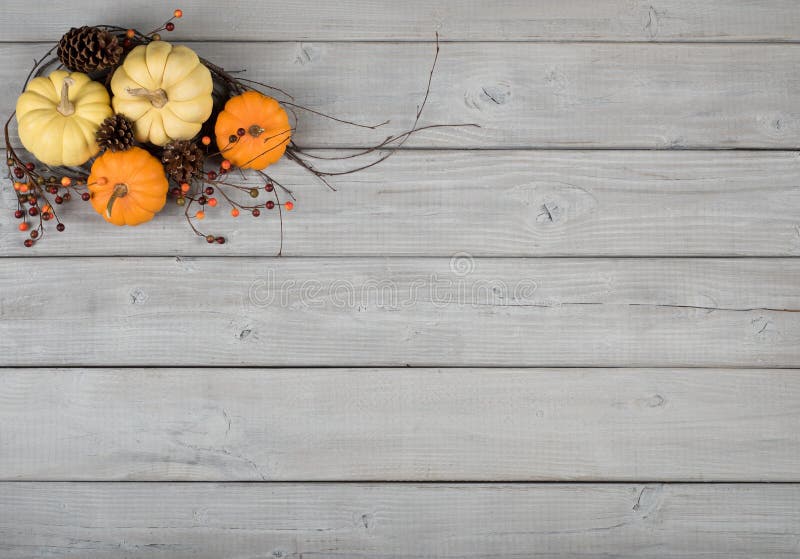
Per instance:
x=165, y=90
x=59, y=115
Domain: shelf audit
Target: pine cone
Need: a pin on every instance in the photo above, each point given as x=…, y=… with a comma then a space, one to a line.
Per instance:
x=115, y=133
x=182, y=160
x=87, y=49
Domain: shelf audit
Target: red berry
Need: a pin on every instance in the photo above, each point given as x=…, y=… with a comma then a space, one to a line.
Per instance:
x=269, y=187
x=85, y=196
x=209, y=190
x=210, y=239
x=18, y=214
x=18, y=172
x=212, y=175
x=30, y=166
x=169, y=26
x=178, y=13
x=241, y=132
x=221, y=240
x=256, y=212
x=33, y=211
x=47, y=216
x=202, y=200
x=175, y=191
x=58, y=200
x=60, y=227
x=270, y=204
x=28, y=243
x=34, y=234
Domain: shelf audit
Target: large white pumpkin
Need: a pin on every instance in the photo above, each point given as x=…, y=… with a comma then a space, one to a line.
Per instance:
x=165, y=90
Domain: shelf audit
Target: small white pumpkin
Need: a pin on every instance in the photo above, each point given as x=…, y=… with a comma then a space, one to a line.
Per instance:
x=59, y=115
x=165, y=90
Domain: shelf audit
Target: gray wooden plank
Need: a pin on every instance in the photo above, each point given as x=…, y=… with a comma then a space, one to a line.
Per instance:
x=497, y=203
x=399, y=424
x=391, y=312
x=521, y=94
x=474, y=20
x=205, y=521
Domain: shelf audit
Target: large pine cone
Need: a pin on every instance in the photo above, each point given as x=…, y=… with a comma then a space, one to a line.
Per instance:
x=115, y=133
x=182, y=160
x=88, y=49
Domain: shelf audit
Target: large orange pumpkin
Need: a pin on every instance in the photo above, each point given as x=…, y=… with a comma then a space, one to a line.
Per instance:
x=259, y=126
x=128, y=187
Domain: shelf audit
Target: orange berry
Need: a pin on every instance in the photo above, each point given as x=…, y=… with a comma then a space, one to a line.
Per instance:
x=178, y=13
x=23, y=188
x=225, y=164
x=46, y=208
x=184, y=187
x=212, y=202
x=66, y=181
x=130, y=33
x=289, y=206
x=23, y=226
x=206, y=140
x=200, y=215
x=235, y=212
x=17, y=186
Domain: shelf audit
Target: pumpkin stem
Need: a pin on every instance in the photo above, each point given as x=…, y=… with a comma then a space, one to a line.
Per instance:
x=65, y=106
x=255, y=130
x=120, y=191
x=157, y=98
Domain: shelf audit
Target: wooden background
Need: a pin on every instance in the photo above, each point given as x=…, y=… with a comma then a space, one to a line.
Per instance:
x=571, y=332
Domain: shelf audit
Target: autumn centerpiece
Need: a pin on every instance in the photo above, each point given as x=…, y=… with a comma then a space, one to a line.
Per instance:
x=128, y=121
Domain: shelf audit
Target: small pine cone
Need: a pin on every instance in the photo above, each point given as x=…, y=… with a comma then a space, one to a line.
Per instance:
x=115, y=133
x=87, y=49
x=183, y=160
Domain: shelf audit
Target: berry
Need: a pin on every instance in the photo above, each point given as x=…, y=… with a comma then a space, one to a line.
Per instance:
x=269, y=187
x=212, y=175
x=185, y=187
x=200, y=215
x=235, y=212
x=34, y=234
x=30, y=166
x=47, y=216
x=60, y=227
x=19, y=214
x=24, y=226
x=169, y=26
x=130, y=33
x=52, y=189
x=66, y=181
x=225, y=164
x=24, y=188
x=32, y=200
x=256, y=212
x=270, y=204
x=221, y=240
x=181, y=201
x=67, y=196
x=241, y=132
x=85, y=196
x=289, y=206
x=210, y=239
x=18, y=172
x=156, y=37
x=233, y=138
x=33, y=211
x=253, y=193
x=178, y=13
x=28, y=243
x=202, y=200
x=127, y=43
x=212, y=202
x=209, y=190
x=205, y=140
x=58, y=200
x=175, y=191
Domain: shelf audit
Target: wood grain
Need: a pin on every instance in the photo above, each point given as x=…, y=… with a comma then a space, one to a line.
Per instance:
x=522, y=95
x=206, y=521
x=394, y=312
x=496, y=203
x=399, y=424
x=473, y=20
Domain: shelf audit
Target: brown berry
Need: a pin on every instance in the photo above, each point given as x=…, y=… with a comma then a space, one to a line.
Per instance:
x=85, y=196
x=18, y=172
x=212, y=175
x=270, y=204
x=34, y=234
x=210, y=239
x=209, y=190
x=28, y=243
x=19, y=214
x=256, y=212
x=253, y=193
x=221, y=240
x=170, y=26
x=241, y=132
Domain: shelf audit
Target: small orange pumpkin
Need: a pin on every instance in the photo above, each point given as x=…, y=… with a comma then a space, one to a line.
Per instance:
x=266, y=130
x=128, y=187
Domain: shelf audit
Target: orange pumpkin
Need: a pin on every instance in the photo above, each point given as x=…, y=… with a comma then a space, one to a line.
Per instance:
x=266, y=130
x=128, y=187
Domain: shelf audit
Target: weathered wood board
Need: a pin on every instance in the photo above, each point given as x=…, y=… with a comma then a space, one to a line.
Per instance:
x=399, y=424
